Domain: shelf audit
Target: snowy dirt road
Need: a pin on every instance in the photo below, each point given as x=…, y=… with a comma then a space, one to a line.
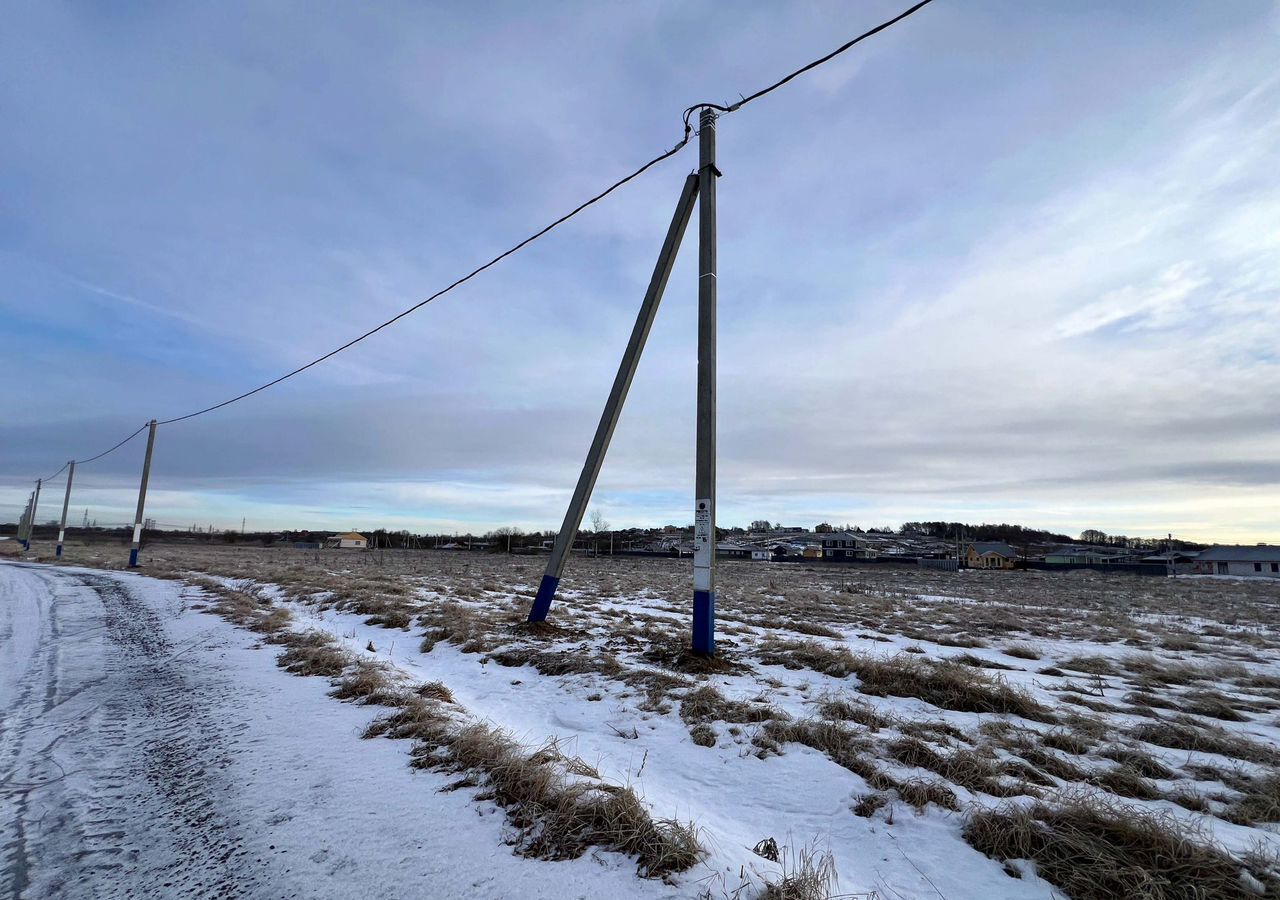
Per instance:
x=149, y=750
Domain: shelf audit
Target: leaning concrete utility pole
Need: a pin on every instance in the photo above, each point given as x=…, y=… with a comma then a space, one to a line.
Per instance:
x=24, y=524
x=613, y=407
x=31, y=522
x=142, y=497
x=704, y=490
x=66, y=502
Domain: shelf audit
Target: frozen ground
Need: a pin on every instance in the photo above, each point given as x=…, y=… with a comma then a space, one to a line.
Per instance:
x=872, y=715
x=147, y=750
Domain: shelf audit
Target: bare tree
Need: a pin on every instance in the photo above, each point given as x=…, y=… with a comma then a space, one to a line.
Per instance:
x=598, y=523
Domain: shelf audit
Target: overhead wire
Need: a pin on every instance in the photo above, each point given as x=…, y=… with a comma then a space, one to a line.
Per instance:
x=680, y=145
x=734, y=107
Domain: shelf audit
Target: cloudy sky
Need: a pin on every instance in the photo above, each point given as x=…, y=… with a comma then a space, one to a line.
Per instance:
x=1006, y=262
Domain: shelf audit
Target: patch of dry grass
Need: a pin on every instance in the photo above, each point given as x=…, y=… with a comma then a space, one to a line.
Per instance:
x=557, y=801
x=707, y=704
x=806, y=875
x=312, y=653
x=1022, y=651
x=845, y=709
x=945, y=684
x=1260, y=802
x=1093, y=849
x=1138, y=761
x=1191, y=735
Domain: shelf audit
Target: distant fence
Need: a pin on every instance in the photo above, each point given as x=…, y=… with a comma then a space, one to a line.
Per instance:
x=1129, y=568
x=946, y=565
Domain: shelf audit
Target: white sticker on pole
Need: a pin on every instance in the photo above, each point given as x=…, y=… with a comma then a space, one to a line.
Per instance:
x=703, y=545
x=61, y=535
x=137, y=532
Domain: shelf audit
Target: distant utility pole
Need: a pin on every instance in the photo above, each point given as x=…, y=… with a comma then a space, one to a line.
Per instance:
x=24, y=524
x=704, y=513
x=142, y=496
x=66, y=504
x=613, y=406
x=31, y=522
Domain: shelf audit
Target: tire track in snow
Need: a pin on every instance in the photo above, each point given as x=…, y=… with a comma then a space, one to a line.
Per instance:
x=111, y=767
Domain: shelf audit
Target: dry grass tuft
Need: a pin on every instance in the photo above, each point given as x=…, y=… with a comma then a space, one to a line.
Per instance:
x=945, y=684
x=813, y=629
x=1190, y=735
x=810, y=875
x=312, y=653
x=1139, y=761
x=1092, y=849
x=434, y=690
x=459, y=624
x=706, y=704
x=1212, y=705
x=1068, y=741
x=869, y=804
x=1022, y=651
x=977, y=662
x=703, y=735
x=845, y=709
x=948, y=686
x=1126, y=782
x=920, y=792
x=367, y=683
x=843, y=745
x=561, y=662
x=1090, y=665
x=557, y=802
x=1260, y=803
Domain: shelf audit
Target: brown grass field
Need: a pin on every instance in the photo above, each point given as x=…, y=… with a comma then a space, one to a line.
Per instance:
x=1121, y=732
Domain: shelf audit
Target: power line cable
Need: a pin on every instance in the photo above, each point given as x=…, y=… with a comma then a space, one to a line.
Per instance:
x=55, y=474
x=440, y=293
x=734, y=107
x=684, y=140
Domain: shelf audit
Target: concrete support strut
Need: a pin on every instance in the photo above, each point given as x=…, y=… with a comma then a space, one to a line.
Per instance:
x=66, y=503
x=704, y=506
x=142, y=497
x=613, y=407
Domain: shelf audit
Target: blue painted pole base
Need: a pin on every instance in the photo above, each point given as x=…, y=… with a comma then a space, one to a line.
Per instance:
x=704, y=623
x=133, y=559
x=26, y=545
x=58, y=553
x=542, y=602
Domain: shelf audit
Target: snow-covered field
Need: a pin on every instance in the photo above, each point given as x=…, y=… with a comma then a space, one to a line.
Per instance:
x=872, y=717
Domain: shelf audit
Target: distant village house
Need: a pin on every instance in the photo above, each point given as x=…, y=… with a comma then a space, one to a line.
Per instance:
x=348, y=541
x=1262, y=560
x=990, y=555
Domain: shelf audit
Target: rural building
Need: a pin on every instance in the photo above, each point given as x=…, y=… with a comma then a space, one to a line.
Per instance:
x=1074, y=555
x=1177, y=562
x=348, y=541
x=990, y=555
x=761, y=553
x=845, y=545
x=1260, y=561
